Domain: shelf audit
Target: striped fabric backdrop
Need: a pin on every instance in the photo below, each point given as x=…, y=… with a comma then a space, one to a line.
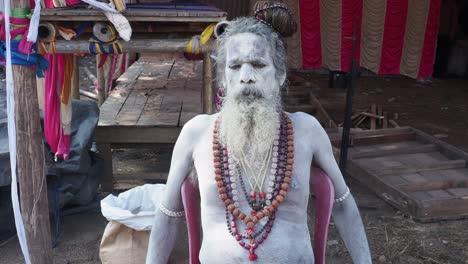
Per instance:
x=393, y=36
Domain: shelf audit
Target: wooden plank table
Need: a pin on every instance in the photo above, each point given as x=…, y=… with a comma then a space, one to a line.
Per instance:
x=149, y=105
x=413, y=171
x=177, y=19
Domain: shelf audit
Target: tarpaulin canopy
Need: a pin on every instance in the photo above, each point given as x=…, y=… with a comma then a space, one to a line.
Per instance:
x=393, y=36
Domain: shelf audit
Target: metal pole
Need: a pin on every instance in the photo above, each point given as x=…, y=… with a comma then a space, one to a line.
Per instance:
x=349, y=107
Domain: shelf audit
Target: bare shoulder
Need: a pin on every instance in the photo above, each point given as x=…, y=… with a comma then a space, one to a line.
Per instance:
x=196, y=126
x=305, y=122
x=309, y=130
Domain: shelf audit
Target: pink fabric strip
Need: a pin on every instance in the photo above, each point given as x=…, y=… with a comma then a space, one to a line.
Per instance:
x=426, y=66
x=73, y=2
x=51, y=104
x=310, y=33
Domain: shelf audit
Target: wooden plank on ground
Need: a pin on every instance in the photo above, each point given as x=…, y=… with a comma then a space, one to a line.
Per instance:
x=428, y=180
x=443, y=165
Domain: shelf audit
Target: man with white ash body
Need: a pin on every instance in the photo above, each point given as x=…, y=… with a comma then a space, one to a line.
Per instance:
x=253, y=160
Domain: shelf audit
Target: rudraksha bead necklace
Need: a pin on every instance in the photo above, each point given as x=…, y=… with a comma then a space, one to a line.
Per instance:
x=227, y=176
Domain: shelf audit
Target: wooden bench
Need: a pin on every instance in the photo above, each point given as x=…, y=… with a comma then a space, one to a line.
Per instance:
x=149, y=105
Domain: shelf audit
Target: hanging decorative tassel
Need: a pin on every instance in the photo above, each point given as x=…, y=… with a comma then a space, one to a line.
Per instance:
x=193, y=50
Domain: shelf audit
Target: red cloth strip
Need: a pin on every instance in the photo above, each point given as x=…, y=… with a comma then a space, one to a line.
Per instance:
x=310, y=33
x=351, y=10
x=72, y=2
x=394, y=36
x=426, y=66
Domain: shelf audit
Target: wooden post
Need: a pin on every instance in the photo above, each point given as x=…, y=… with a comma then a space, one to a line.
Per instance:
x=101, y=81
x=107, y=182
x=207, y=93
x=75, y=88
x=30, y=156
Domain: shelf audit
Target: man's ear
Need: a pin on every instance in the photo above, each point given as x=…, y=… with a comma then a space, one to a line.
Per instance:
x=220, y=27
x=282, y=78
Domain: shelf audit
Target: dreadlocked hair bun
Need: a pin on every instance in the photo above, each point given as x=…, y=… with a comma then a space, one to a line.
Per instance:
x=276, y=15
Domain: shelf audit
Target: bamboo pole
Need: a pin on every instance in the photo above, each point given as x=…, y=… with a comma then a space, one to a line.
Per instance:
x=207, y=93
x=30, y=156
x=75, y=88
x=134, y=45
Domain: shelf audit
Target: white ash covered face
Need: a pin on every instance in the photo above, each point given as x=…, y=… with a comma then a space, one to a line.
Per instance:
x=249, y=71
x=250, y=113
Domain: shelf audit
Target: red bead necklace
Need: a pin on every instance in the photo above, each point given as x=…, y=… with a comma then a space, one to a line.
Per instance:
x=226, y=183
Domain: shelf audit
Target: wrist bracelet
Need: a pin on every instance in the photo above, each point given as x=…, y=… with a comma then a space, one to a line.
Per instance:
x=342, y=198
x=170, y=213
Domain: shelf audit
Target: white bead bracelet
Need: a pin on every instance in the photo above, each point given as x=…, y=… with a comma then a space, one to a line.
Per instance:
x=342, y=198
x=170, y=213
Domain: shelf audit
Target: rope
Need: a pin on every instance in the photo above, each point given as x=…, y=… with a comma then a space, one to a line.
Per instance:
x=120, y=5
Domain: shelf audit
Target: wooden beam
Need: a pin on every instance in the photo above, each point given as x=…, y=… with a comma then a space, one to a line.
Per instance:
x=30, y=162
x=443, y=165
x=107, y=182
x=137, y=135
x=88, y=94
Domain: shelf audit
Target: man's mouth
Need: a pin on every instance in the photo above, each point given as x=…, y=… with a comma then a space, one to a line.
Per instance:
x=251, y=93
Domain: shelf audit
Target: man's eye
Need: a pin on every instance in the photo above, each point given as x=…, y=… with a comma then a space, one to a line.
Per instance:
x=258, y=65
x=234, y=66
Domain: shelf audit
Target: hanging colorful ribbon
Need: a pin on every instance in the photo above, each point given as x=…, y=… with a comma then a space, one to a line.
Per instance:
x=57, y=109
x=20, y=20
x=107, y=42
x=21, y=51
x=193, y=49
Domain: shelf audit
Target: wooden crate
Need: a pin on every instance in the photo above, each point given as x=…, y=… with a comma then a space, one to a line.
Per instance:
x=413, y=171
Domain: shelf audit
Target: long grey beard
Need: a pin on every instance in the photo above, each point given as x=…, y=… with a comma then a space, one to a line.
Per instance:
x=249, y=128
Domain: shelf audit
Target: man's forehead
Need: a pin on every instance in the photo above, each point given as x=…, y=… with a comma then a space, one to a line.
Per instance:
x=247, y=45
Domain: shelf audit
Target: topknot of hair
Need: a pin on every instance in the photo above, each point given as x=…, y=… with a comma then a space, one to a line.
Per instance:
x=276, y=15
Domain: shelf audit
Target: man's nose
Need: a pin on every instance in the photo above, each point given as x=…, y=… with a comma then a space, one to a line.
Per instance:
x=247, y=75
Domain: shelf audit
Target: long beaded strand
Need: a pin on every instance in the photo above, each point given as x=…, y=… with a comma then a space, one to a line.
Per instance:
x=225, y=180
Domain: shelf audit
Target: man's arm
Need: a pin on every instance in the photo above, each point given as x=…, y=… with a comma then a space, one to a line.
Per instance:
x=165, y=228
x=345, y=214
